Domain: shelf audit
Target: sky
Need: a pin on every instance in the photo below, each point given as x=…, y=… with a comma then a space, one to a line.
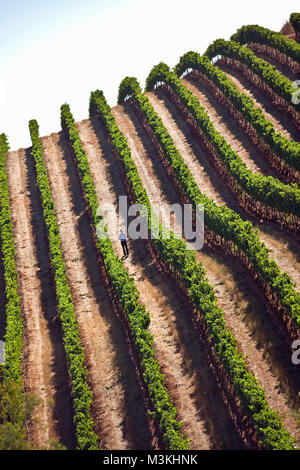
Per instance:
x=58, y=51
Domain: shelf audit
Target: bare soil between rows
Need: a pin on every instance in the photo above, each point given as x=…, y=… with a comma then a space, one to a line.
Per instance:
x=284, y=247
x=282, y=122
x=177, y=346
x=282, y=68
x=44, y=362
x=267, y=355
x=118, y=409
x=229, y=129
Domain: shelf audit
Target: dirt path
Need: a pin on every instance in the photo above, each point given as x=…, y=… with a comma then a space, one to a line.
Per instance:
x=242, y=305
x=284, y=249
x=282, y=122
x=180, y=355
x=44, y=366
x=118, y=410
x=226, y=125
x=284, y=69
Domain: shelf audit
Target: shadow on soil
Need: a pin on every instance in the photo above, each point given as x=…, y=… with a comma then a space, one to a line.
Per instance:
x=292, y=241
x=284, y=119
x=62, y=409
x=262, y=328
x=135, y=427
x=284, y=69
x=194, y=359
x=238, y=134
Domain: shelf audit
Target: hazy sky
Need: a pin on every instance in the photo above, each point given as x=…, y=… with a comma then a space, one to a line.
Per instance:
x=57, y=51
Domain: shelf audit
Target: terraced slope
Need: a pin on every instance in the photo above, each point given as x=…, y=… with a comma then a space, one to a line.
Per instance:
x=232, y=297
x=176, y=345
x=185, y=340
x=44, y=366
x=117, y=408
x=283, y=123
x=266, y=54
x=283, y=247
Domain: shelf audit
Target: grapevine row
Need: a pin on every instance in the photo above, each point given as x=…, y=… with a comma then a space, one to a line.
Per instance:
x=249, y=116
x=237, y=236
x=295, y=21
x=192, y=277
x=288, y=49
x=262, y=74
x=81, y=395
x=128, y=295
x=11, y=371
x=13, y=336
x=257, y=194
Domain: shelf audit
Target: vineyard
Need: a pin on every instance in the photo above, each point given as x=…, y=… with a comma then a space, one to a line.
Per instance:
x=168, y=348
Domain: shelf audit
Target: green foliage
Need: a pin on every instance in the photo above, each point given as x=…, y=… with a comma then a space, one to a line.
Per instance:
x=257, y=34
x=15, y=408
x=250, y=393
x=295, y=21
x=13, y=335
x=139, y=319
x=56, y=445
x=268, y=190
x=220, y=219
x=268, y=73
x=288, y=150
x=82, y=396
x=12, y=412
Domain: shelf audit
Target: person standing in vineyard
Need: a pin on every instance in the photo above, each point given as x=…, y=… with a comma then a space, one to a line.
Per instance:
x=123, y=239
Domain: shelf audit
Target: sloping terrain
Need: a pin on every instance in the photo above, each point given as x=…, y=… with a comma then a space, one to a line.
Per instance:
x=120, y=412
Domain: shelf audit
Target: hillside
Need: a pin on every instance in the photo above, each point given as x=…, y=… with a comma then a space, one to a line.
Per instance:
x=121, y=350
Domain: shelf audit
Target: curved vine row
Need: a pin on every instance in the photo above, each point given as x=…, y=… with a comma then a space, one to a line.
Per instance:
x=257, y=194
x=223, y=221
x=287, y=150
x=257, y=34
x=259, y=72
x=192, y=276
